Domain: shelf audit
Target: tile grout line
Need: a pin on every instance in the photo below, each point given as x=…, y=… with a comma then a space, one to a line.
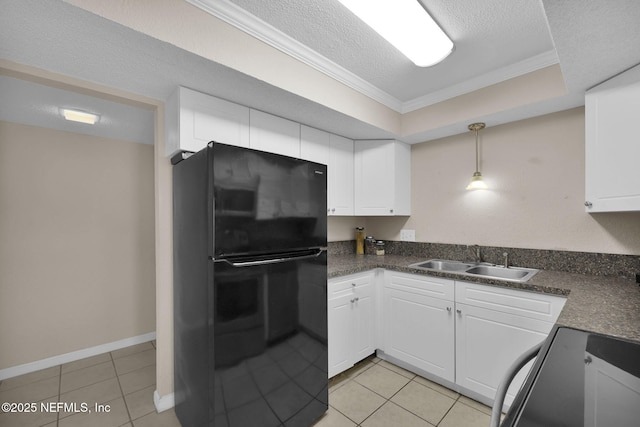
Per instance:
x=120, y=387
x=389, y=399
x=449, y=410
x=59, y=393
x=456, y=400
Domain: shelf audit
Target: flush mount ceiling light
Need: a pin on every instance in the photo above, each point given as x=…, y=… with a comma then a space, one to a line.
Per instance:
x=407, y=26
x=476, y=180
x=79, y=116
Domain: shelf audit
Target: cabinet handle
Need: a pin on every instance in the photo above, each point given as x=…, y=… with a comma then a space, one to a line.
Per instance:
x=353, y=284
x=459, y=311
x=391, y=210
x=588, y=204
x=355, y=299
x=449, y=309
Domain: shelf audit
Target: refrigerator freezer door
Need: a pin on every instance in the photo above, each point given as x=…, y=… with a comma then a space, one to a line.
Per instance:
x=265, y=203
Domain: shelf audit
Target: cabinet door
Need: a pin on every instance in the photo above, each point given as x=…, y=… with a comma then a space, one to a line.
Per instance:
x=274, y=134
x=364, y=320
x=382, y=178
x=612, y=175
x=488, y=342
x=194, y=119
x=340, y=169
x=351, y=320
x=340, y=333
x=373, y=178
x=315, y=144
x=419, y=330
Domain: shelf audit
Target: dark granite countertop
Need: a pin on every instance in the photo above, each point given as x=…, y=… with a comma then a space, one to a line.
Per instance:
x=606, y=305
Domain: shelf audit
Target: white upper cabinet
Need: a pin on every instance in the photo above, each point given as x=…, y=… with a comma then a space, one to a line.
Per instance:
x=193, y=119
x=337, y=153
x=612, y=110
x=382, y=178
x=314, y=144
x=274, y=134
x=364, y=177
x=341, y=185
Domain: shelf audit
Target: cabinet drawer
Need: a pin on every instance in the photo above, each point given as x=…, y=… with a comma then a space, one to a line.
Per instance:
x=528, y=304
x=338, y=286
x=435, y=287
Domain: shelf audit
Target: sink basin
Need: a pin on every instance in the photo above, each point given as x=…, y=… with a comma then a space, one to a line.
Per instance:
x=490, y=271
x=442, y=265
x=513, y=273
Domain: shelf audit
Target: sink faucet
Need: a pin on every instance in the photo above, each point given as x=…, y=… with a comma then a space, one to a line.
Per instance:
x=478, y=254
x=506, y=259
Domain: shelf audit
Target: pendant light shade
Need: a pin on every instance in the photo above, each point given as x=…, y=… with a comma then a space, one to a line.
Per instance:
x=477, y=182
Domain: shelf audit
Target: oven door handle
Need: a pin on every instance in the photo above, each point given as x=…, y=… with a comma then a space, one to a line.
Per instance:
x=501, y=392
x=249, y=262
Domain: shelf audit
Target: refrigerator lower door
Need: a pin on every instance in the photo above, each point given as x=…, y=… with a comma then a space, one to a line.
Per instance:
x=269, y=339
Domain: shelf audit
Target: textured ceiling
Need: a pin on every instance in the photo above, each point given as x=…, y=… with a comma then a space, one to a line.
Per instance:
x=594, y=40
x=489, y=35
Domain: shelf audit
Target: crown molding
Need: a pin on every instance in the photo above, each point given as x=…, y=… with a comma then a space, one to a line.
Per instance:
x=250, y=24
x=236, y=16
x=509, y=72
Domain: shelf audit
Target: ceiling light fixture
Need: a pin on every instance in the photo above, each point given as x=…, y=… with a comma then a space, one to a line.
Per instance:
x=476, y=180
x=79, y=116
x=407, y=26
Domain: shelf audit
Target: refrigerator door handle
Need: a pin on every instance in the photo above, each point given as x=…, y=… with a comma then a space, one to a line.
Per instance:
x=254, y=262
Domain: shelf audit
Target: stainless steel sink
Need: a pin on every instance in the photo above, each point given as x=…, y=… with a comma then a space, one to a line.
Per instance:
x=512, y=273
x=489, y=271
x=442, y=265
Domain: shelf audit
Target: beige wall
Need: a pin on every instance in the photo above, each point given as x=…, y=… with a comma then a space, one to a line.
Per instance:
x=535, y=169
x=77, y=252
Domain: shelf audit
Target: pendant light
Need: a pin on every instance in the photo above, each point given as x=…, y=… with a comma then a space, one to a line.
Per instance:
x=476, y=180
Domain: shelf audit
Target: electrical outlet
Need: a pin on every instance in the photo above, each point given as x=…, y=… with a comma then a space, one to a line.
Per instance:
x=408, y=235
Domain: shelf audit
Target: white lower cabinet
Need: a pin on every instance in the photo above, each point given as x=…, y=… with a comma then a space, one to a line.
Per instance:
x=418, y=327
x=351, y=318
x=488, y=342
x=494, y=326
x=464, y=333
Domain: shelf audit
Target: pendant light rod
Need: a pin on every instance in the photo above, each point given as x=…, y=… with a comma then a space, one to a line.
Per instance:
x=476, y=127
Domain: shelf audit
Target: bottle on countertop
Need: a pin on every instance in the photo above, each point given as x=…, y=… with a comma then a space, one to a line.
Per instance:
x=369, y=245
x=379, y=247
x=360, y=240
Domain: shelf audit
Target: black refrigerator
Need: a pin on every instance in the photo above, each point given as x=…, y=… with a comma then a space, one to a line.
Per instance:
x=250, y=289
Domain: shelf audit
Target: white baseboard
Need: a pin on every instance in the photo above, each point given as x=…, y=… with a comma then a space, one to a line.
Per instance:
x=163, y=402
x=74, y=355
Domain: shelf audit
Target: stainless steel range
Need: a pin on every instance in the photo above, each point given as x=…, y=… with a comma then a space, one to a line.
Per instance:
x=580, y=379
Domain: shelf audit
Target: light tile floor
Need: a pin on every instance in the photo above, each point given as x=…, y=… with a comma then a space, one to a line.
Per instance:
x=376, y=393
x=123, y=379
x=373, y=393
